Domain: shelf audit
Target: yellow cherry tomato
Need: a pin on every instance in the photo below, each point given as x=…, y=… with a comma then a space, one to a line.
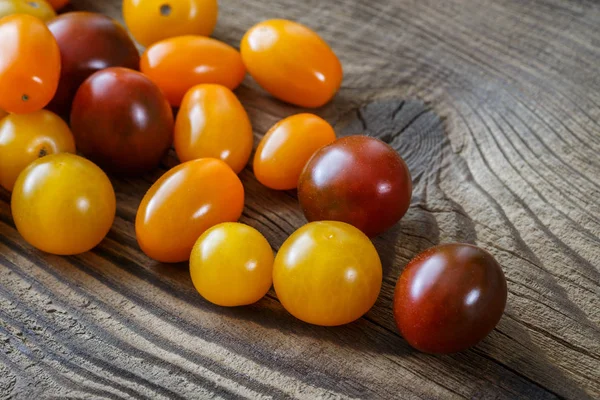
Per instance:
x=286, y=148
x=185, y=202
x=292, y=62
x=27, y=137
x=38, y=8
x=327, y=273
x=212, y=122
x=150, y=21
x=177, y=64
x=232, y=265
x=63, y=204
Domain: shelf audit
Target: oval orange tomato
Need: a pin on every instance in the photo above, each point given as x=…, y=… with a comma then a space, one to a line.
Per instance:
x=177, y=64
x=286, y=148
x=152, y=20
x=327, y=273
x=27, y=137
x=185, y=202
x=38, y=8
x=212, y=122
x=63, y=204
x=291, y=62
x=29, y=64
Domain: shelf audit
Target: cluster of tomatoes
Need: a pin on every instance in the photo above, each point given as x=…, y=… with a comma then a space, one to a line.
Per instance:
x=84, y=68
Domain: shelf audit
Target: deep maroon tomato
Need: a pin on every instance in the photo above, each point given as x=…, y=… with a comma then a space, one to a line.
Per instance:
x=449, y=298
x=122, y=121
x=88, y=42
x=359, y=180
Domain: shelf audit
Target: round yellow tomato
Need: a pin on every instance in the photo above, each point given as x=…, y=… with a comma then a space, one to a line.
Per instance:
x=185, y=202
x=292, y=62
x=63, y=204
x=212, y=122
x=38, y=8
x=152, y=20
x=232, y=265
x=177, y=64
x=27, y=137
x=286, y=148
x=327, y=273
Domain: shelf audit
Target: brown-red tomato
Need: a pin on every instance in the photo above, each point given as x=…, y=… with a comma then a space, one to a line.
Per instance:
x=359, y=180
x=449, y=298
x=88, y=42
x=122, y=121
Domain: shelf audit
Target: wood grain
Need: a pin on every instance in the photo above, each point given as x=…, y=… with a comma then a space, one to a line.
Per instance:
x=495, y=105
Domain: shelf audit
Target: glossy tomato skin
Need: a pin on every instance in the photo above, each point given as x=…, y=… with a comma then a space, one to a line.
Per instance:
x=359, y=180
x=37, y=8
x=88, y=42
x=63, y=204
x=27, y=137
x=185, y=202
x=232, y=265
x=449, y=298
x=58, y=4
x=292, y=62
x=286, y=148
x=212, y=122
x=150, y=21
x=193, y=60
x=122, y=121
x=30, y=64
x=327, y=273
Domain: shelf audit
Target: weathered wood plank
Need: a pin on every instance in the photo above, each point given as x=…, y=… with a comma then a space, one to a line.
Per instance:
x=496, y=108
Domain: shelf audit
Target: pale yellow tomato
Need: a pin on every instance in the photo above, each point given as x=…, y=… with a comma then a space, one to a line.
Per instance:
x=27, y=137
x=232, y=265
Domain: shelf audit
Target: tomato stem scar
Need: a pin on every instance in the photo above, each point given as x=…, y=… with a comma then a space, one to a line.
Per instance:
x=165, y=10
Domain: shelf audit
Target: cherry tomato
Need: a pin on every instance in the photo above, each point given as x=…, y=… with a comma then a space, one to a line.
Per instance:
x=359, y=180
x=286, y=148
x=88, y=43
x=63, y=204
x=291, y=62
x=327, y=273
x=27, y=137
x=212, y=122
x=29, y=64
x=449, y=298
x=3, y=114
x=38, y=8
x=58, y=4
x=150, y=21
x=184, y=203
x=177, y=64
x=122, y=121
x=232, y=265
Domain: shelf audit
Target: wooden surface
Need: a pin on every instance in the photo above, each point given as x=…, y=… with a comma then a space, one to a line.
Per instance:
x=495, y=105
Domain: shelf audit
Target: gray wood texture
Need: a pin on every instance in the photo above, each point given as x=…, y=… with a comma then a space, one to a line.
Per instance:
x=495, y=105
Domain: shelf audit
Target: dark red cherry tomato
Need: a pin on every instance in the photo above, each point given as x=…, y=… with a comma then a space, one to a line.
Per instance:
x=449, y=298
x=359, y=180
x=88, y=42
x=122, y=121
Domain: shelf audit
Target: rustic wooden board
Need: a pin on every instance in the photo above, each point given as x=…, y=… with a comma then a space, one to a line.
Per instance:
x=495, y=105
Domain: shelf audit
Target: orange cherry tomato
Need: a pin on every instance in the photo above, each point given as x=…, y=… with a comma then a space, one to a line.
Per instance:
x=185, y=202
x=27, y=137
x=3, y=114
x=232, y=265
x=63, y=204
x=286, y=148
x=152, y=20
x=291, y=62
x=38, y=8
x=177, y=64
x=29, y=64
x=212, y=122
x=58, y=4
x=327, y=273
